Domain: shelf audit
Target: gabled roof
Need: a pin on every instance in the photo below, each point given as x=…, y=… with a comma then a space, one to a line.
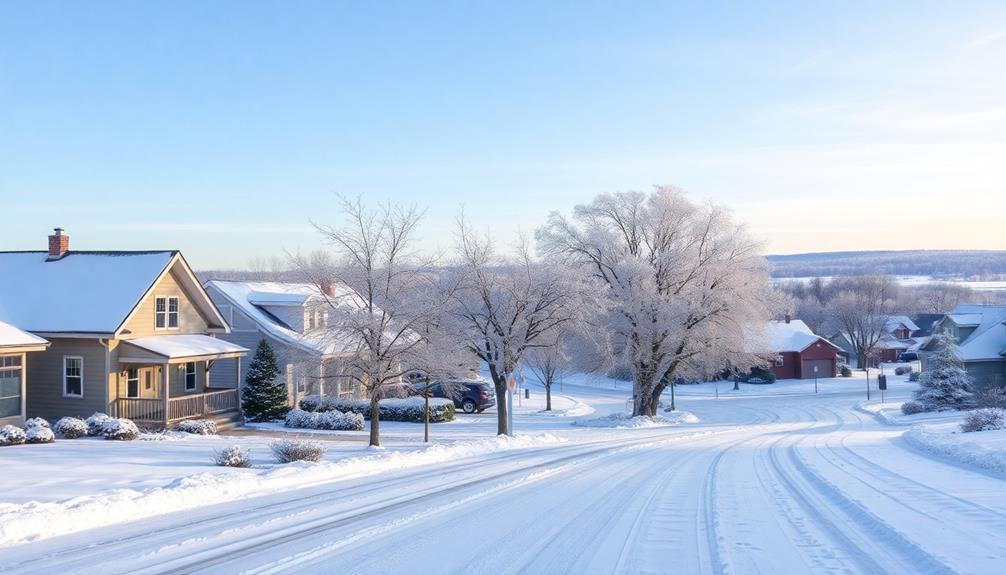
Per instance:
x=794, y=336
x=988, y=340
x=11, y=337
x=88, y=292
x=253, y=299
x=895, y=321
x=187, y=346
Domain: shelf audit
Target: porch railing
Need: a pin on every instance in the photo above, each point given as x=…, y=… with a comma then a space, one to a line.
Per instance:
x=196, y=405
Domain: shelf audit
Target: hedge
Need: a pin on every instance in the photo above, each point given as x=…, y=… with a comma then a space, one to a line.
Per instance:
x=408, y=409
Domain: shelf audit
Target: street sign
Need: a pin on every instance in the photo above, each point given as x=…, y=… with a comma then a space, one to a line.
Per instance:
x=512, y=384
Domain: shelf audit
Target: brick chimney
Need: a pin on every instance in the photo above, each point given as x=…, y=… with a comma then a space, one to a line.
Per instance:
x=330, y=289
x=789, y=318
x=59, y=244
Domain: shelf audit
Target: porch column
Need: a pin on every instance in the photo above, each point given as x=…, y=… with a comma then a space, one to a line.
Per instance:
x=321, y=379
x=237, y=383
x=164, y=385
x=24, y=387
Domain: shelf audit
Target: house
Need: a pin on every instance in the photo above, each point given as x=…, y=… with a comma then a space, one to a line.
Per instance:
x=294, y=319
x=14, y=345
x=895, y=339
x=980, y=331
x=799, y=352
x=131, y=334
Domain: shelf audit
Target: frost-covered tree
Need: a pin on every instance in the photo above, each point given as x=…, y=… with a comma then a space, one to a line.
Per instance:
x=508, y=305
x=550, y=363
x=683, y=284
x=264, y=395
x=860, y=310
x=944, y=384
x=385, y=298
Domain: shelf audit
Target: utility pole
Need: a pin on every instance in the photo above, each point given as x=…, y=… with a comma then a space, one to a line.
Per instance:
x=867, y=382
x=426, y=411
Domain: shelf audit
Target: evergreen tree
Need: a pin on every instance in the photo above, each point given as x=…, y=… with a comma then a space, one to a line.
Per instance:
x=264, y=396
x=944, y=384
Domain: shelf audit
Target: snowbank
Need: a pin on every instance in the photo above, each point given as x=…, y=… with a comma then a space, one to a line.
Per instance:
x=985, y=449
x=890, y=414
x=623, y=421
x=38, y=520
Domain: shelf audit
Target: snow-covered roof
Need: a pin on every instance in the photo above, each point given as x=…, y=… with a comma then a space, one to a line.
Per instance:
x=252, y=297
x=182, y=346
x=965, y=319
x=794, y=336
x=894, y=321
x=89, y=292
x=988, y=340
x=890, y=342
x=11, y=336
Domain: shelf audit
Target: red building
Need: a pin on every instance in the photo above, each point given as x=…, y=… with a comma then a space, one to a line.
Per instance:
x=800, y=353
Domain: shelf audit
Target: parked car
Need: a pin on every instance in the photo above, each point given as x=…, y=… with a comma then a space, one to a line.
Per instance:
x=468, y=396
x=908, y=356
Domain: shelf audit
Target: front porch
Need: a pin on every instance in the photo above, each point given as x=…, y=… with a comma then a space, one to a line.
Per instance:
x=163, y=380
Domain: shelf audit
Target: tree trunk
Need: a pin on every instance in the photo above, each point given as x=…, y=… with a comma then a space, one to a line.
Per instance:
x=548, y=396
x=426, y=412
x=375, y=422
x=499, y=385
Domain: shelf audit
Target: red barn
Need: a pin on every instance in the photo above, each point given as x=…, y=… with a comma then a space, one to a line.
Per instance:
x=800, y=353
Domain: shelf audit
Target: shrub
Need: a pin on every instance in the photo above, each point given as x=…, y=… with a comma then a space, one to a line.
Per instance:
x=36, y=422
x=197, y=426
x=409, y=409
x=11, y=435
x=985, y=419
x=914, y=376
x=71, y=427
x=232, y=456
x=289, y=450
x=39, y=434
x=844, y=370
x=95, y=423
x=913, y=407
x=763, y=373
x=334, y=419
x=902, y=370
x=264, y=396
x=991, y=397
x=119, y=429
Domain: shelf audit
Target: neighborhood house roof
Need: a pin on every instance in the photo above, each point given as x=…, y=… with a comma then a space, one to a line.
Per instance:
x=252, y=297
x=90, y=292
x=794, y=336
x=988, y=340
x=11, y=336
x=965, y=319
x=897, y=320
x=182, y=346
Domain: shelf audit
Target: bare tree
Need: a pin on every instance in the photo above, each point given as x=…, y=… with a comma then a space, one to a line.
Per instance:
x=860, y=310
x=548, y=364
x=507, y=306
x=684, y=284
x=384, y=300
x=941, y=297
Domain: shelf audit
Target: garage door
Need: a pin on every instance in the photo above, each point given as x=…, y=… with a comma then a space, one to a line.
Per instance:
x=823, y=366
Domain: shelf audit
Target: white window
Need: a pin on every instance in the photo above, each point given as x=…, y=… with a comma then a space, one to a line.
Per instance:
x=132, y=382
x=309, y=319
x=166, y=313
x=73, y=376
x=10, y=385
x=190, y=376
x=779, y=361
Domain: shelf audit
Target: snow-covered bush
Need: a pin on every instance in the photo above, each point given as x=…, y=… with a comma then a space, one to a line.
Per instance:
x=96, y=422
x=119, y=429
x=39, y=434
x=11, y=435
x=844, y=370
x=334, y=419
x=71, y=427
x=985, y=419
x=991, y=397
x=902, y=370
x=944, y=384
x=407, y=409
x=914, y=376
x=36, y=422
x=288, y=450
x=913, y=407
x=232, y=456
x=197, y=426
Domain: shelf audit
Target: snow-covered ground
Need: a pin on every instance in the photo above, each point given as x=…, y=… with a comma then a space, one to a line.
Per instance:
x=769, y=478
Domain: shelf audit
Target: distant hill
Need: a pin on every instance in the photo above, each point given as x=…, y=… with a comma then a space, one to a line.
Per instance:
x=974, y=264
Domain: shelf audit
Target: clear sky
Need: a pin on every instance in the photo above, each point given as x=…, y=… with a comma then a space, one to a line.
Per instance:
x=221, y=128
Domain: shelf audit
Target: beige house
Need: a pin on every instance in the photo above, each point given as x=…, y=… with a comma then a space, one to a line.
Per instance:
x=131, y=334
x=14, y=345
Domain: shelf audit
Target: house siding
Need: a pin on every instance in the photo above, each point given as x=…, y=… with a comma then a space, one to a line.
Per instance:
x=819, y=351
x=986, y=374
x=44, y=396
x=190, y=320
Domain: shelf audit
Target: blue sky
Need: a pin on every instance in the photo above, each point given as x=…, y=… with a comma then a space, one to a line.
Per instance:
x=221, y=128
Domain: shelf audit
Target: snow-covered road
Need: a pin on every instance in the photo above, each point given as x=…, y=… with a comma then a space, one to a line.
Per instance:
x=772, y=484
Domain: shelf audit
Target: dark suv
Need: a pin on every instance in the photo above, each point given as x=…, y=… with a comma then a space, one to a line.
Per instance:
x=468, y=396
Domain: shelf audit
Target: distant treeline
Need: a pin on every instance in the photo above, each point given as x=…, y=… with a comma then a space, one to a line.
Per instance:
x=966, y=264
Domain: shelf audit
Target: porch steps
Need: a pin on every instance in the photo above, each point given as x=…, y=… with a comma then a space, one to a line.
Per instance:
x=226, y=421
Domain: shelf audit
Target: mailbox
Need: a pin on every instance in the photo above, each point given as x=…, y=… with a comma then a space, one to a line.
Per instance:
x=882, y=382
